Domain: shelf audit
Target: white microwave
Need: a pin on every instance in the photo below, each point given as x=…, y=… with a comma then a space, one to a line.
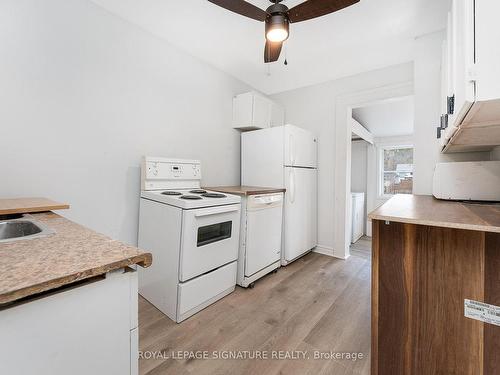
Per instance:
x=476, y=181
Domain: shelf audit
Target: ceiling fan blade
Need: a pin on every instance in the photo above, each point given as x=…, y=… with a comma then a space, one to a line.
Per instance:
x=242, y=7
x=272, y=51
x=316, y=8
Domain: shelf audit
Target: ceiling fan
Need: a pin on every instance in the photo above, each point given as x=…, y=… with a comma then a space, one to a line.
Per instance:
x=278, y=18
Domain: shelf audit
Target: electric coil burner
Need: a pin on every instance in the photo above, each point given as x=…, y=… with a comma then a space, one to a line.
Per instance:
x=191, y=197
x=198, y=191
x=169, y=192
x=213, y=195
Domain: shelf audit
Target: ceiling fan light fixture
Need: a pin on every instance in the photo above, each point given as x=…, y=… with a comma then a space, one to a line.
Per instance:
x=277, y=28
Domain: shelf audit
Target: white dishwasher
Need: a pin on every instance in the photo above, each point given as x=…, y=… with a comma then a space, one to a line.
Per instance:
x=260, y=231
x=260, y=237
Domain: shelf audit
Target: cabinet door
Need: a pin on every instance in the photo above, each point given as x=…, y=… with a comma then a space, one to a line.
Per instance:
x=463, y=58
x=261, y=112
x=76, y=330
x=243, y=111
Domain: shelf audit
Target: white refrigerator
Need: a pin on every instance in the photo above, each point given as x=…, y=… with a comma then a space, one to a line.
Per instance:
x=286, y=157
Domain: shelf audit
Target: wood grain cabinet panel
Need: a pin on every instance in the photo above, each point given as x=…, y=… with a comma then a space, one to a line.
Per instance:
x=421, y=276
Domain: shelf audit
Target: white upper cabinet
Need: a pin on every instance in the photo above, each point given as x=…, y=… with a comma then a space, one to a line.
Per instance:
x=253, y=111
x=471, y=77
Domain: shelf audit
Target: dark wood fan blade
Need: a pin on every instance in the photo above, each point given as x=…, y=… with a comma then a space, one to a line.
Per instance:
x=272, y=51
x=242, y=7
x=317, y=8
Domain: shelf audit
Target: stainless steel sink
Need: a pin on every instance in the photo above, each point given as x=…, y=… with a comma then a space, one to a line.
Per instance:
x=22, y=229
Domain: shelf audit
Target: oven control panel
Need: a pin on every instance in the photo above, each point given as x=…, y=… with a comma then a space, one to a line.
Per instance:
x=162, y=173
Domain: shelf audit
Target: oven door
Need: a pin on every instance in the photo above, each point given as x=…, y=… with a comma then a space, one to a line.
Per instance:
x=210, y=239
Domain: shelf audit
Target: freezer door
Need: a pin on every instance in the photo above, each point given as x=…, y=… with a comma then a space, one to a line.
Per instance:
x=300, y=147
x=262, y=158
x=300, y=211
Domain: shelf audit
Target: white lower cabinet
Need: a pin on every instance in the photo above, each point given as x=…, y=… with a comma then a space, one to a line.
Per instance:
x=90, y=328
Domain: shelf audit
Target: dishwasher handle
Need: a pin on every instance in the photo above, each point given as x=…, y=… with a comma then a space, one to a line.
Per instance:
x=263, y=201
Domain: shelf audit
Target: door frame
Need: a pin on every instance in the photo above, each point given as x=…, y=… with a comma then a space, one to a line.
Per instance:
x=344, y=105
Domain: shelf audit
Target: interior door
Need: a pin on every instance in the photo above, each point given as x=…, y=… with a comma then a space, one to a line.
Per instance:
x=263, y=236
x=300, y=147
x=300, y=211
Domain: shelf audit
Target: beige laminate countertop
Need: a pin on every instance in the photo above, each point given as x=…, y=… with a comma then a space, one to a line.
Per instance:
x=246, y=190
x=72, y=254
x=427, y=210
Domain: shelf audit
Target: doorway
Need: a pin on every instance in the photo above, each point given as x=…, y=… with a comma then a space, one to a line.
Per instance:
x=349, y=107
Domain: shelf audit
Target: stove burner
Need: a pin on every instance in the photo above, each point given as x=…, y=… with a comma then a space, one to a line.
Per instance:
x=169, y=192
x=190, y=197
x=198, y=191
x=213, y=195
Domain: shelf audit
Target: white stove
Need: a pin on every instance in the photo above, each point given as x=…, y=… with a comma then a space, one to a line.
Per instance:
x=193, y=235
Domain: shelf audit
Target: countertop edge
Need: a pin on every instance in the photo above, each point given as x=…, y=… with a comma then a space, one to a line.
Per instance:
x=474, y=227
x=28, y=205
x=144, y=260
x=33, y=210
x=237, y=190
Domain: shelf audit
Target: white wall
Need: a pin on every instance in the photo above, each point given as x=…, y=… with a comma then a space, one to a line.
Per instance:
x=313, y=108
x=358, y=166
x=85, y=94
x=427, y=81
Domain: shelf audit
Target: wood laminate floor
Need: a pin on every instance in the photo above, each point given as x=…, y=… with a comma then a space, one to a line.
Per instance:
x=362, y=247
x=316, y=305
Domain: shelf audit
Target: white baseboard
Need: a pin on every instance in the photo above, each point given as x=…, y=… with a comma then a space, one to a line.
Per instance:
x=327, y=250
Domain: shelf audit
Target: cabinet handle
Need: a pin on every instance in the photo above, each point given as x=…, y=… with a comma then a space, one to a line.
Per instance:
x=444, y=121
x=439, y=129
x=451, y=104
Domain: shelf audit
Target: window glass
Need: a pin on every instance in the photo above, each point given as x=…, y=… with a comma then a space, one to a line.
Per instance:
x=213, y=233
x=397, y=173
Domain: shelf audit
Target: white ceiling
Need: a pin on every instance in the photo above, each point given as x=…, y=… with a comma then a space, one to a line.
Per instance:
x=388, y=118
x=366, y=36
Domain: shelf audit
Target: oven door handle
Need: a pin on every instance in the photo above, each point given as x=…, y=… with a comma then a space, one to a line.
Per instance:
x=216, y=211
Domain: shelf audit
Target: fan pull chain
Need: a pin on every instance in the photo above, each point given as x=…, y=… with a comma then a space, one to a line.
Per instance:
x=286, y=61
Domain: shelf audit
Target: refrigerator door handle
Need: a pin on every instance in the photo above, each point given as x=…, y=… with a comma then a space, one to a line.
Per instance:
x=292, y=185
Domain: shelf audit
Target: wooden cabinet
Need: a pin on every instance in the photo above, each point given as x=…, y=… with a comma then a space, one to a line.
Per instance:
x=87, y=328
x=253, y=111
x=428, y=258
x=470, y=76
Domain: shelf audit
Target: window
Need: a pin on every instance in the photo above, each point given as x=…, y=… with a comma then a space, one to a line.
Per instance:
x=396, y=170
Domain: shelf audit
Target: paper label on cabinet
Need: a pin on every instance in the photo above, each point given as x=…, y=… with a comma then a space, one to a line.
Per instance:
x=482, y=311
